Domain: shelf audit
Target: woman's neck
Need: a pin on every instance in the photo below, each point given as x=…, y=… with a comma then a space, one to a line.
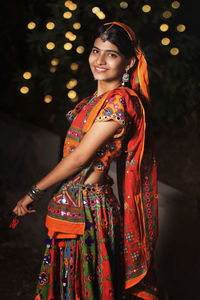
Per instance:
x=103, y=87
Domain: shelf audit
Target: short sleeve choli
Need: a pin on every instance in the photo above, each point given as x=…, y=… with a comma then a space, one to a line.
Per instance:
x=114, y=109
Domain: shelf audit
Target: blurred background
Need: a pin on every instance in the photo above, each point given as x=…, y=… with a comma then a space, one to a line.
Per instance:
x=44, y=73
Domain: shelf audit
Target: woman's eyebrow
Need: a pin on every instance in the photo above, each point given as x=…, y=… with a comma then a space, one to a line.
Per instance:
x=108, y=50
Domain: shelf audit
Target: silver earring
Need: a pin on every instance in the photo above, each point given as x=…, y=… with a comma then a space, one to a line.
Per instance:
x=125, y=78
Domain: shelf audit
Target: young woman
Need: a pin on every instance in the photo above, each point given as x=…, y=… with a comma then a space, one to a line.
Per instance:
x=99, y=248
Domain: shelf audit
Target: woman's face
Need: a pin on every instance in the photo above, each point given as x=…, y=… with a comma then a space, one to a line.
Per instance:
x=106, y=62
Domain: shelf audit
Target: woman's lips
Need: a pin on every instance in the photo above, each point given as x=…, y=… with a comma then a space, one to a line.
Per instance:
x=99, y=69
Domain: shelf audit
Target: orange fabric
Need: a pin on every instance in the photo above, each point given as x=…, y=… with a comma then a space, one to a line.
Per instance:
x=145, y=295
x=60, y=226
x=133, y=282
x=141, y=70
x=38, y=297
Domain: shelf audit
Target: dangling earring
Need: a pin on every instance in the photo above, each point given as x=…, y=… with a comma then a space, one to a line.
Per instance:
x=125, y=78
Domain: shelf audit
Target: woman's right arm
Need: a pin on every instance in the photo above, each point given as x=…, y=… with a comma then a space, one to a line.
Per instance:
x=99, y=133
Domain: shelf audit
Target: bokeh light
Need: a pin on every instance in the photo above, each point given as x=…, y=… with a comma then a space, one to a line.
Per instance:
x=52, y=69
x=175, y=4
x=67, y=15
x=67, y=46
x=167, y=14
x=68, y=3
x=165, y=41
x=48, y=99
x=80, y=49
x=77, y=26
x=123, y=4
x=50, y=25
x=31, y=25
x=72, y=6
x=24, y=90
x=50, y=45
x=55, y=61
x=74, y=66
x=101, y=15
x=75, y=99
x=180, y=28
x=146, y=8
x=69, y=35
x=72, y=94
x=71, y=84
x=174, y=51
x=164, y=27
x=27, y=75
x=95, y=10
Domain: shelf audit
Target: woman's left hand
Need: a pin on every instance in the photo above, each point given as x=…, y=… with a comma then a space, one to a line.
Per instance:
x=23, y=206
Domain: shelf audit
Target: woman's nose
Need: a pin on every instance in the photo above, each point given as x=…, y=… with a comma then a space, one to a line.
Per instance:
x=101, y=59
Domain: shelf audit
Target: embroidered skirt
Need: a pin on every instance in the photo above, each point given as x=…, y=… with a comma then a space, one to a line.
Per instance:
x=87, y=267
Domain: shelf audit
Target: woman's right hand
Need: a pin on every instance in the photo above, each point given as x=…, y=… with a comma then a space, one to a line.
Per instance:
x=24, y=206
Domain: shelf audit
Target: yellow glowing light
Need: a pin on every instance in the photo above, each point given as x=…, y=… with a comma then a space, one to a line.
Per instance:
x=174, y=51
x=27, y=75
x=73, y=6
x=75, y=99
x=74, y=66
x=50, y=25
x=55, y=61
x=24, y=90
x=72, y=38
x=72, y=83
x=68, y=3
x=72, y=94
x=48, y=99
x=165, y=41
x=95, y=10
x=67, y=15
x=69, y=35
x=146, y=8
x=50, y=46
x=164, y=27
x=100, y=15
x=123, y=4
x=181, y=28
x=67, y=46
x=52, y=69
x=80, y=49
x=167, y=14
x=76, y=26
x=31, y=25
x=175, y=4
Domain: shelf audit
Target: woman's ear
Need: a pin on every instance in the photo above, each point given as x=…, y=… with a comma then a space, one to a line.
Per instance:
x=131, y=63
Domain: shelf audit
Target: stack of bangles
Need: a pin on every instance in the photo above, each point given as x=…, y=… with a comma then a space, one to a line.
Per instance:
x=35, y=193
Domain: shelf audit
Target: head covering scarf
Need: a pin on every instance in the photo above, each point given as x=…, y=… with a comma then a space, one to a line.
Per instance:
x=139, y=79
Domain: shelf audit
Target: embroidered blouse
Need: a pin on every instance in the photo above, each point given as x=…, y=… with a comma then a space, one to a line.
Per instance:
x=114, y=109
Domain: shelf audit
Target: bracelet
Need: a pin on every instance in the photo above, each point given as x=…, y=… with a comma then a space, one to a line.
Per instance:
x=35, y=193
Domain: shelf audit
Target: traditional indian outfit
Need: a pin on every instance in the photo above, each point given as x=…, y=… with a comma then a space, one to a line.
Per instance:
x=99, y=247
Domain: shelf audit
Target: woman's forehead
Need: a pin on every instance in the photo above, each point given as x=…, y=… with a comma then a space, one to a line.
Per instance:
x=105, y=45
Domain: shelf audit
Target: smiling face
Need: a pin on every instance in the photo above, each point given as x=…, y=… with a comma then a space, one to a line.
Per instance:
x=106, y=62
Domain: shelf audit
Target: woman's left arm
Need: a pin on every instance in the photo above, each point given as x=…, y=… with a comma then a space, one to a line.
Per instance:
x=98, y=134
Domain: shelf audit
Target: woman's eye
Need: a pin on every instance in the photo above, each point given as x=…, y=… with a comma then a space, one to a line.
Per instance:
x=112, y=55
x=95, y=51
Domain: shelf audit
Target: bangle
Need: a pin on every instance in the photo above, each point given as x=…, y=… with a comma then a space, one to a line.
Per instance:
x=35, y=193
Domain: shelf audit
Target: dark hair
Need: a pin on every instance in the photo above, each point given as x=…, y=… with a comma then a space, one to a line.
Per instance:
x=119, y=37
